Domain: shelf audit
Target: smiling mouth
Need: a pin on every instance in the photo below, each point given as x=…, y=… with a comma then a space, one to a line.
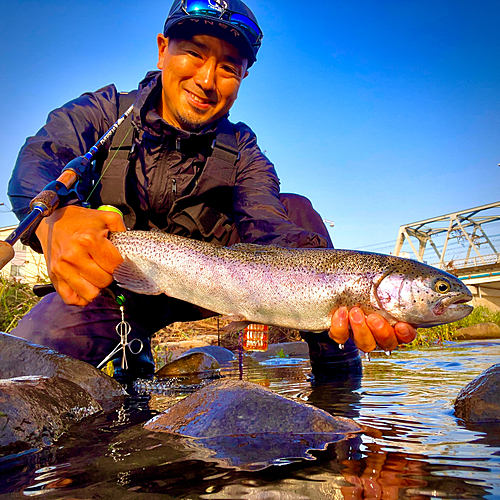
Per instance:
x=200, y=101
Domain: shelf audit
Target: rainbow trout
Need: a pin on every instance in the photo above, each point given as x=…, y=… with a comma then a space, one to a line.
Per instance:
x=288, y=287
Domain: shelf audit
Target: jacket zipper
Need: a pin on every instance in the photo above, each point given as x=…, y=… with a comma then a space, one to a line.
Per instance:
x=174, y=186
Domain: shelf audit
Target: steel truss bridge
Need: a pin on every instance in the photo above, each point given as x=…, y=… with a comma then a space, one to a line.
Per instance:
x=463, y=243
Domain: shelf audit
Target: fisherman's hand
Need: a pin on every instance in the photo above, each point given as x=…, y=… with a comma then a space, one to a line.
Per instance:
x=369, y=331
x=80, y=259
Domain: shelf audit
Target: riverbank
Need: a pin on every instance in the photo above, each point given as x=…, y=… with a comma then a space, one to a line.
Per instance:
x=211, y=332
x=183, y=336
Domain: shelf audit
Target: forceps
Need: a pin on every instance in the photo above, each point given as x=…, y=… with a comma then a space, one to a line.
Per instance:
x=122, y=329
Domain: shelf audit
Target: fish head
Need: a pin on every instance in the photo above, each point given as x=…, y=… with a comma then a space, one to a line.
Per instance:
x=423, y=295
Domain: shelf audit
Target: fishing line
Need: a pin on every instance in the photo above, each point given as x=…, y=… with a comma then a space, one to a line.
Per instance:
x=108, y=164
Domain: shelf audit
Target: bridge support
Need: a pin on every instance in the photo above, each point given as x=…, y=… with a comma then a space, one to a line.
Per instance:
x=478, y=269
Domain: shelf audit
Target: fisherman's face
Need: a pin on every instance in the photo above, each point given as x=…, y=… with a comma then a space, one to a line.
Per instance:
x=200, y=77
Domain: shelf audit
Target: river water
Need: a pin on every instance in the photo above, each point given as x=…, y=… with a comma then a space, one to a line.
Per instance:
x=411, y=447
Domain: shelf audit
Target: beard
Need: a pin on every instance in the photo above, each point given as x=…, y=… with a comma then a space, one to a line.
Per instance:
x=195, y=120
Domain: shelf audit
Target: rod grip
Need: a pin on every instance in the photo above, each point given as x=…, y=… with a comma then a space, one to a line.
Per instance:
x=6, y=253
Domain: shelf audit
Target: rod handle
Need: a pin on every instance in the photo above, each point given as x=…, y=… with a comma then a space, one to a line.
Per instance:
x=6, y=253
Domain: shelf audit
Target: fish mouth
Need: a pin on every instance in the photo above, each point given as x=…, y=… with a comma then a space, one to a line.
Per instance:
x=454, y=302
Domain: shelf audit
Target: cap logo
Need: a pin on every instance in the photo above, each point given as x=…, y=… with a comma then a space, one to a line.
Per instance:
x=219, y=5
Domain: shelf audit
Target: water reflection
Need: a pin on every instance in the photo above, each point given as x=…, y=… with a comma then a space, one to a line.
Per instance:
x=412, y=446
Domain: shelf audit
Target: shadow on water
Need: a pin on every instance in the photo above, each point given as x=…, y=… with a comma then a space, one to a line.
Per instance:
x=411, y=447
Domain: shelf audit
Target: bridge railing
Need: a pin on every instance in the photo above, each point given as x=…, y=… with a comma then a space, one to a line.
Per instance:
x=484, y=260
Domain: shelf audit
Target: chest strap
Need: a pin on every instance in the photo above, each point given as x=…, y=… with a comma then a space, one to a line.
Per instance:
x=219, y=167
x=115, y=169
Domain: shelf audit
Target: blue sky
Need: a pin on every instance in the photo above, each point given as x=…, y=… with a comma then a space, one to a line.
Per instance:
x=381, y=112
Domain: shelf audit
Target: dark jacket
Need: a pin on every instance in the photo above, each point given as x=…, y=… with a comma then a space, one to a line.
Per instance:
x=168, y=185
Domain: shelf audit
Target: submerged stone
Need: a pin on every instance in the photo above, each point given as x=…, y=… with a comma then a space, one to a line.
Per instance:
x=243, y=424
x=221, y=354
x=299, y=350
x=20, y=357
x=196, y=363
x=479, y=401
x=179, y=348
x=35, y=411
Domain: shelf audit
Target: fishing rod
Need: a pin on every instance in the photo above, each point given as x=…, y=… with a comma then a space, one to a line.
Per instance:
x=45, y=202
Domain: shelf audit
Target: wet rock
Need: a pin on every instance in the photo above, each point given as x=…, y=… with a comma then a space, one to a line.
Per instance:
x=230, y=407
x=35, y=411
x=244, y=424
x=479, y=401
x=479, y=331
x=178, y=349
x=19, y=358
x=196, y=363
x=221, y=354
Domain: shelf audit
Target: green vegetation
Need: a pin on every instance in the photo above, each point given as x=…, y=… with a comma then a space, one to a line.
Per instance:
x=4, y=415
x=281, y=354
x=161, y=355
x=439, y=334
x=16, y=299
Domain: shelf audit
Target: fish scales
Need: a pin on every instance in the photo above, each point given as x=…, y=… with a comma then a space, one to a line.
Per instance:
x=288, y=287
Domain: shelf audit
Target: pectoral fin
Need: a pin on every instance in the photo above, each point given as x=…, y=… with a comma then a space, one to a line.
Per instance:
x=131, y=277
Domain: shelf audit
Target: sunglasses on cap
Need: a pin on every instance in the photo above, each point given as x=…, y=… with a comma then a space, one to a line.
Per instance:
x=217, y=9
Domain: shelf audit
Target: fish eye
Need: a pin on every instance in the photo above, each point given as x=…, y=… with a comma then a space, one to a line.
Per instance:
x=442, y=286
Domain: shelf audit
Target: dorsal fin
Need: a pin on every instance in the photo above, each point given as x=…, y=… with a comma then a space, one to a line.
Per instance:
x=252, y=247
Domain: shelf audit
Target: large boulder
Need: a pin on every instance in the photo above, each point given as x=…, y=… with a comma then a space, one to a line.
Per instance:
x=243, y=424
x=479, y=401
x=43, y=392
x=19, y=358
x=35, y=411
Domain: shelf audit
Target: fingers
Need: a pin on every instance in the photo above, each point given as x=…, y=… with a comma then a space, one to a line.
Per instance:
x=370, y=331
x=339, y=330
x=382, y=331
x=68, y=295
x=85, y=268
x=361, y=332
x=86, y=286
x=405, y=333
x=80, y=258
x=113, y=221
x=102, y=254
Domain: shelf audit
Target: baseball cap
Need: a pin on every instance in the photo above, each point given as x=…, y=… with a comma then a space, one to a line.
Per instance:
x=230, y=20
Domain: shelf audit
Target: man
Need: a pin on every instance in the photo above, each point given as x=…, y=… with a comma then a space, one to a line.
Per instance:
x=189, y=172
